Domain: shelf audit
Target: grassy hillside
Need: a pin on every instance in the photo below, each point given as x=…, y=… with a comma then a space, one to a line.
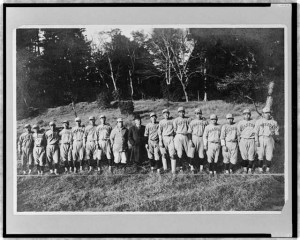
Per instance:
x=143, y=192
x=130, y=190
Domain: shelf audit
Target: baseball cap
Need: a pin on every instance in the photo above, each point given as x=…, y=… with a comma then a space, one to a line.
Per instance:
x=247, y=110
x=35, y=126
x=180, y=109
x=51, y=124
x=213, y=116
x=91, y=118
x=77, y=119
x=229, y=115
x=152, y=114
x=119, y=120
x=198, y=110
x=266, y=110
x=165, y=111
x=65, y=121
x=102, y=116
x=137, y=117
x=27, y=125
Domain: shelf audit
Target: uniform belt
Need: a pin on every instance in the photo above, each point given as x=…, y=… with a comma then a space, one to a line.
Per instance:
x=168, y=135
x=271, y=136
x=247, y=138
x=92, y=140
x=213, y=142
x=78, y=140
x=197, y=135
x=104, y=140
x=66, y=143
x=182, y=134
x=231, y=141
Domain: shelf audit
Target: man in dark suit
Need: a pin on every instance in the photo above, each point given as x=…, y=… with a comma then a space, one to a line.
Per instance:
x=137, y=140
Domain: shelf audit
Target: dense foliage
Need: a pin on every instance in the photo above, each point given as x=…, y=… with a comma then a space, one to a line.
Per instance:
x=58, y=66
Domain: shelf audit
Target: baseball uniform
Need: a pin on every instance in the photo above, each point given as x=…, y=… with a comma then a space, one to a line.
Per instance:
x=166, y=136
x=66, y=144
x=39, y=150
x=26, y=147
x=229, y=138
x=52, y=150
x=91, y=138
x=181, y=126
x=151, y=132
x=78, y=138
x=265, y=130
x=211, y=139
x=246, y=133
x=196, y=129
x=119, y=142
x=104, y=131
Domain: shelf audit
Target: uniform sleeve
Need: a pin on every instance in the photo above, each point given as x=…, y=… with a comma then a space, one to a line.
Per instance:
x=276, y=129
x=222, y=137
x=205, y=136
x=147, y=131
x=175, y=126
x=112, y=137
x=160, y=131
x=190, y=130
x=238, y=129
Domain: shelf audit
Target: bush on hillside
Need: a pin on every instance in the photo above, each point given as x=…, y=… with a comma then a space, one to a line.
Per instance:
x=103, y=99
x=126, y=107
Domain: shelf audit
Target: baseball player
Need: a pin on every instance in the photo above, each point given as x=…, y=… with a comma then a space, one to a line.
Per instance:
x=151, y=132
x=104, y=130
x=211, y=139
x=52, y=149
x=166, y=140
x=182, y=138
x=246, y=133
x=78, y=147
x=66, y=146
x=196, y=129
x=229, y=143
x=119, y=142
x=39, y=149
x=267, y=132
x=91, y=142
x=25, y=148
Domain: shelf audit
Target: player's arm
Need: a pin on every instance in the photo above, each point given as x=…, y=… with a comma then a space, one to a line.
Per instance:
x=276, y=132
x=20, y=142
x=160, y=131
x=112, y=137
x=175, y=126
x=205, y=137
x=146, y=135
x=190, y=134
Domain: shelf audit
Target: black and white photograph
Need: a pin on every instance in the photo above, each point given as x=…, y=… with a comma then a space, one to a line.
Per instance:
x=134, y=119
x=150, y=119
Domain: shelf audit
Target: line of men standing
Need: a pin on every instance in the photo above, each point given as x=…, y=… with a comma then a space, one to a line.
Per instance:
x=174, y=139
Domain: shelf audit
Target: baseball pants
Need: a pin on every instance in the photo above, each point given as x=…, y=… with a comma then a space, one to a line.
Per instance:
x=105, y=148
x=168, y=142
x=39, y=156
x=26, y=157
x=266, y=148
x=199, y=145
x=78, y=151
x=247, y=148
x=65, y=152
x=120, y=157
x=213, y=150
x=181, y=144
x=231, y=155
x=91, y=149
x=153, y=150
x=52, y=152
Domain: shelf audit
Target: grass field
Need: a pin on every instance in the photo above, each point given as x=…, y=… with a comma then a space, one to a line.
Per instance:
x=138, y=191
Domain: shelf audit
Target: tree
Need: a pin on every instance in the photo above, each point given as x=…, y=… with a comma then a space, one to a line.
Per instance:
x=173, y=50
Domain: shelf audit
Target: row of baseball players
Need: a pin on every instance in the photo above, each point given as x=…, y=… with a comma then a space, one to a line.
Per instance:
x=173, y=138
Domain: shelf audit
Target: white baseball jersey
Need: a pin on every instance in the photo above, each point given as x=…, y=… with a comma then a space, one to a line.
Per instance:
x=78, y=133
x=246, y=129
x=196, y=127
x=181, y=125
x=166, y=128
x=151, y=131
x=104, y=131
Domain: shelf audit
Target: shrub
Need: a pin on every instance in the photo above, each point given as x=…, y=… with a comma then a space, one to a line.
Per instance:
x=104, y=99
x=126, y=107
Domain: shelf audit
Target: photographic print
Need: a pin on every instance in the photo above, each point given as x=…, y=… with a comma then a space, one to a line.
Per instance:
x=150, y=118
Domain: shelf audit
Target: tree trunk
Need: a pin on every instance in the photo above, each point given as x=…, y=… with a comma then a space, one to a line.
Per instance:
x=131, y=84
x=184, y=90
x=112, y=74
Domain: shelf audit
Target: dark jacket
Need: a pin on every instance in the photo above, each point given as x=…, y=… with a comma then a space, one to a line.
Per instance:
x=137, y=140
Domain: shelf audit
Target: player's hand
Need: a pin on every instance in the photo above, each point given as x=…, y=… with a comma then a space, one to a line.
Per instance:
x=161, y=144
x=205, y=147
x=257, y=144
x=147, y=146
x=277, y=140
x=225, y=149
x=191, y=144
